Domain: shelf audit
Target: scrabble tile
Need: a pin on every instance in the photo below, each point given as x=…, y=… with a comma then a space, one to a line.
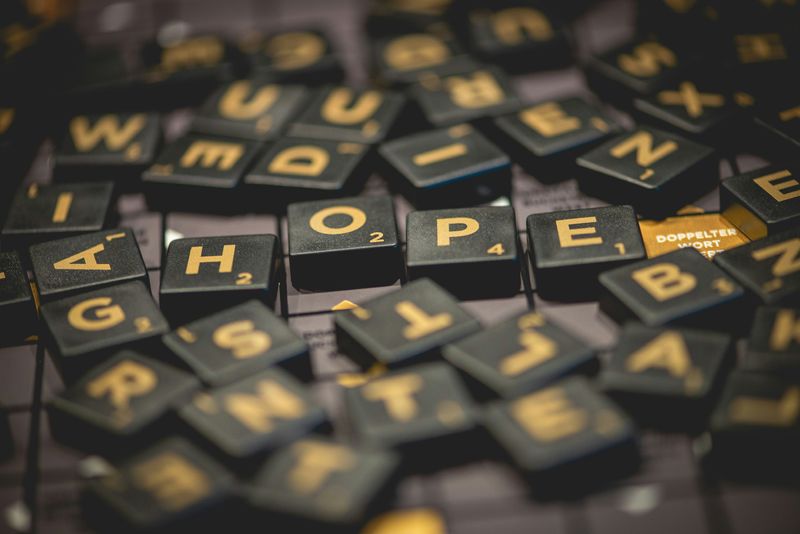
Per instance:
x=43, y=212
x=17, y=309
x=680, y=288
x=296, y=486
x=19, y=139
x=777, y=126
x=246, y=420
x=774, y=342
x=760, y=58
x=402, y=327
x=110, y=146
x=636, y=68
x=554, y=434
x=170, y=487
x=303, y=301
x=518, y=355
x=184, y=71
x=450, y=167
x=403, y=16
x=686, y=26
x=455, y=98
x=769, y=268
x=569, y=249
x=199, y=173
x=297, y=56
x=407, y=58
x=38, y=54
x=84, y=330
x=708, y=233
x=470, y=252
x=667, y=377
x=422, y=411
x=703, y=110
x=518, y=37
x=103, y=82
x=233, y=344
x=754, y=428
x=354, y=238
x=344, y=114
x=119, y=405
x=546, y=137
x=256, y=110
x=654, y=171
x=203, y=275
x=762, y=202
x=304, y=169
x=90, y=261
x=778, y=13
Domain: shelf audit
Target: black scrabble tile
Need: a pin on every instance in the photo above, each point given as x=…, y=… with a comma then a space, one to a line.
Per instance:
x=354, y=238
x=120, y=405
x=637, y=68
x=404, y=16
x=246, y=420
x=777, y=126
x=569, y=249
x=233, y=344
x=84, y=330
x=38, y=55
x=172, y=486
x=110, y=146
x=199, y=172
x=688, y=26
x=85, y=262
x=774, y=343
x=654, y=171
x=42, y=212
x=304, y=169
x=545, y=138
x=518, y=37
x=341, y=113
x=702, y=109
x=762, y=202
x=448, y=167
x=402, y=327
x=755, y=428
x=103, y=82
x=775, y=14
x=423, y=411
x=470, y=252
x=518, y=355
x=451, y=99
x=203, y=275
x=252, y=109
x=17, y=142
x=317, y=484
x=769, y=268
x=401, y=60
x=558, y=434
x=185, y=71
x=17, y=309
x=667, y=378
x=304, y=56
x=680, y=288
x=761, y=57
